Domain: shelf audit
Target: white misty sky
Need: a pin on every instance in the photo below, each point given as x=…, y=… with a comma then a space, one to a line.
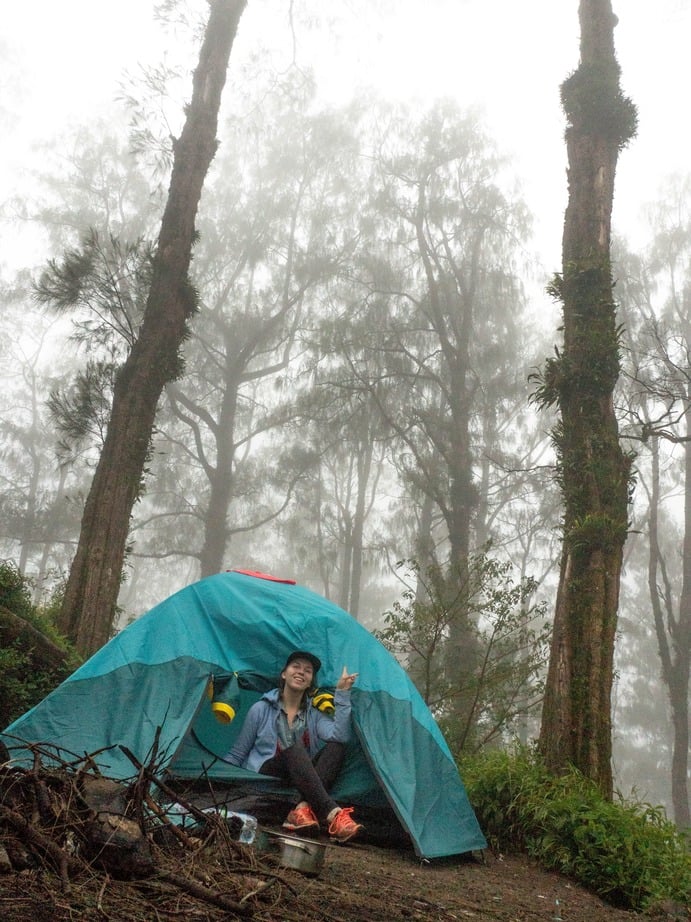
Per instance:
x=61, y=63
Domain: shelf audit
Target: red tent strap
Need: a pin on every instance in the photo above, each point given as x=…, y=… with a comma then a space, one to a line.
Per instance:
x=258, y=575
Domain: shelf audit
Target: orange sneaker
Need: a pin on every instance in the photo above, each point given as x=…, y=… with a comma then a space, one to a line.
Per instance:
x=301, y=819
x=342, y=827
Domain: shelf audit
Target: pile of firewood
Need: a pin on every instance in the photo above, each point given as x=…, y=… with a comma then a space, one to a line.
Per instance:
x=75, y=823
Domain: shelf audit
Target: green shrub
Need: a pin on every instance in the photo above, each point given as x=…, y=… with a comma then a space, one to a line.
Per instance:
x=16, y=595
x=26, y=675
x=15, y=590
x=20, y=685
x=628, y=853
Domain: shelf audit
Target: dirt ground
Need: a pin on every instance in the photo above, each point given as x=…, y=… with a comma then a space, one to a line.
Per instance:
x=358, y=883
x=71, y=851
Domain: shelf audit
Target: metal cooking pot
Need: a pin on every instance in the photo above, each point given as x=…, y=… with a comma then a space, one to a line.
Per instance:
x=304, y=855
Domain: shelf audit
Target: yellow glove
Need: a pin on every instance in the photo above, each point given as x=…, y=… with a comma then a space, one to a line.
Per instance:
x=323, y=701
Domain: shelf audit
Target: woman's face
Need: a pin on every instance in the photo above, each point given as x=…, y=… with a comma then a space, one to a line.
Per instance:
x=298, y=675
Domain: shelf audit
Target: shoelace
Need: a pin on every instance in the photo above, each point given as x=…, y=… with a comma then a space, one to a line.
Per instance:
x=343, y=817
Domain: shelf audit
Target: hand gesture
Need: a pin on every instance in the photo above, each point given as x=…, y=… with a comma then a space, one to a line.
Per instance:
x=346, y=680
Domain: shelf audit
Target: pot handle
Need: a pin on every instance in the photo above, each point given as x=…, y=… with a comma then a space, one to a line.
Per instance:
x=300, y=846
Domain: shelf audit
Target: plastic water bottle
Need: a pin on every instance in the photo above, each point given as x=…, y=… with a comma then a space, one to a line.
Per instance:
x=249, y=828
x=249, y=824
x=179, y=815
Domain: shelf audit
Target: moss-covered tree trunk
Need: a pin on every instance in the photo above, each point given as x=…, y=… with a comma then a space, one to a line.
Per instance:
x=89, y=606
x=594, y=471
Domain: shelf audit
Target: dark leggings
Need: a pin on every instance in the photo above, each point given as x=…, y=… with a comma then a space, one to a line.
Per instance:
x=312, y=777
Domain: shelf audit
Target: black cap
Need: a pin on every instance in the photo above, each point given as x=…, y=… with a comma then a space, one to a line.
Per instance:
x=302, y=654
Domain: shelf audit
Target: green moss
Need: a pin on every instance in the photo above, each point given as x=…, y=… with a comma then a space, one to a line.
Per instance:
x=593, y=102
x=593, y=473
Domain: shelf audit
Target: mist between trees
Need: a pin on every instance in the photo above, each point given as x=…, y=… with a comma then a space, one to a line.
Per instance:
x=354, y=392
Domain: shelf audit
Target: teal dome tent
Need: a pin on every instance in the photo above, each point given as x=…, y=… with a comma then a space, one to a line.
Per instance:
x=155, y=680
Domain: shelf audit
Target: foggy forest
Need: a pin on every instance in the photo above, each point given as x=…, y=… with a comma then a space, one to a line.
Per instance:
x=362, y=387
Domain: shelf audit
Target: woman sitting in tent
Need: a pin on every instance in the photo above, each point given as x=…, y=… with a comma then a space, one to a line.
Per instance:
x=285, y=736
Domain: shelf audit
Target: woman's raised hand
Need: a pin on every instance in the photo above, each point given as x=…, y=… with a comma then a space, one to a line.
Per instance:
x=346, y=680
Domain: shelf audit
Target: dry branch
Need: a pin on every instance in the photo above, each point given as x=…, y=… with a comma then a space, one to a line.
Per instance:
x=205, y=893
x=84, y=827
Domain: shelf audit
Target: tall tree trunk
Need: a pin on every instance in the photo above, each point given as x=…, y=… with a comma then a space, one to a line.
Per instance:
x=681, y=672
x=594, y=471
x=48, y=543
x=364, y=473
x=346, y=530
x=221, y=480
x=89, y=606
x=674, y=633
x=424, y=540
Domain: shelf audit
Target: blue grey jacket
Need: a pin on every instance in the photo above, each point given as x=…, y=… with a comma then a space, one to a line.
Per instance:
x=258, y=738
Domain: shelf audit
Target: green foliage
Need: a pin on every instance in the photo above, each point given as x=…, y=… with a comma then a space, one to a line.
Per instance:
x=475, y=645
x=103, y=284
x=548, y=382
x=591, y=467
x=20, y=686
x=628, y=853
x=106, y=280
x=592, y=101
x=15, y=591
x=15, y=595
x=589, y=367
x=597, y=531
x=24, y=678
x=81, y=411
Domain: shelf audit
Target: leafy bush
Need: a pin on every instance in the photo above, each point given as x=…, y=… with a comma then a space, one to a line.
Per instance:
x=474, y=642
x=26, y=675
x=20, y=685
x=15, y=590
x=15, y=595
x=628, y=853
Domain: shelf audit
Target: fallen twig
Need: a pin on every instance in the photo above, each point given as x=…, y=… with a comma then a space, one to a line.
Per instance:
x=205, y=893
x=179, y=833
x=61, y=861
